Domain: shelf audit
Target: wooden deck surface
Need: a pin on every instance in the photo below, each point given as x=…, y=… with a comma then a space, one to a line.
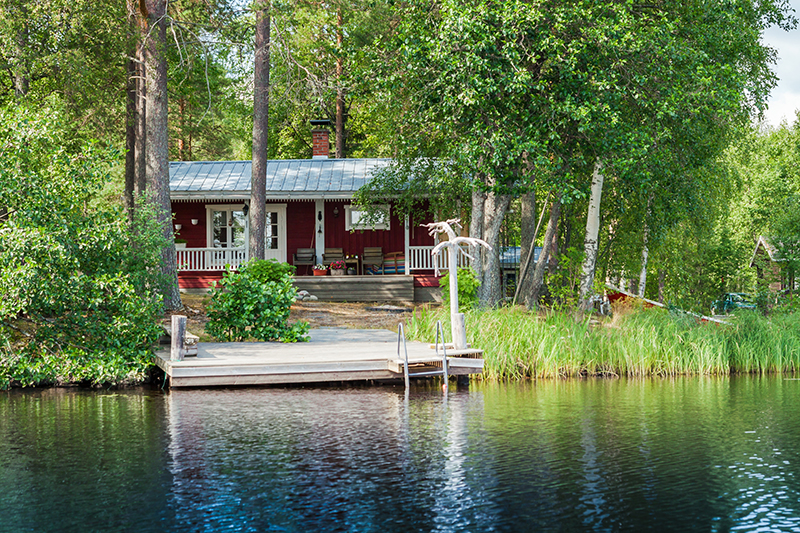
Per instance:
x=331, y=355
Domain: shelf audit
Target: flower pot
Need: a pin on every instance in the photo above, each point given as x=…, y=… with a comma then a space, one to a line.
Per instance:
x=351, y=271
x=320, y=272
x=180, y=245
x=338, y=272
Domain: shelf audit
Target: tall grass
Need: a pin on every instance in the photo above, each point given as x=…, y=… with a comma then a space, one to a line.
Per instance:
x=519, y=344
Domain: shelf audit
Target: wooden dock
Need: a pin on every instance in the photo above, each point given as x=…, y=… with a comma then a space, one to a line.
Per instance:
x=331, y=355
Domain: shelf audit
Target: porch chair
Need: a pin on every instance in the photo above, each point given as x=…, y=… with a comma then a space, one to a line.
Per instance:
x=305, y=256
x=372, y=256
x=395, y=263
x=332, y=254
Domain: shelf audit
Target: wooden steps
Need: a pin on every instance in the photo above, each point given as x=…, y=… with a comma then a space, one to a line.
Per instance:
x=455, y=365
x=358, y=288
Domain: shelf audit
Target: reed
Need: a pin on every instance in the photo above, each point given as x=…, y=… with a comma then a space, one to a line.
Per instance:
x=519, y=344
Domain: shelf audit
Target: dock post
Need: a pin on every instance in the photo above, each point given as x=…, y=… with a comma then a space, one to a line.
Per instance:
x=178, y=337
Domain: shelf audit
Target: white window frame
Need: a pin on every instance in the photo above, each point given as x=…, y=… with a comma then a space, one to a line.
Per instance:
x=210, y=222
x=350, y=226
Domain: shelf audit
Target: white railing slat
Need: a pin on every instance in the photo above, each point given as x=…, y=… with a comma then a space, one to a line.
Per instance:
x=420, y=258
x=206, y=259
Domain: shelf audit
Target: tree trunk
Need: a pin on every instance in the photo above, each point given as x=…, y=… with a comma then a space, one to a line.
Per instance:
x=132, y=93
x=590, y=242
x=184, y=142
x=528, y=222
x=157, y=147
x=538, y=272
x=21, y=73
x=130, y=120
x=552, y=259
x=643, y=273
x=495, y=208
x=476, y=230
x=340, y=118
x=140, y=134
x=258, y=180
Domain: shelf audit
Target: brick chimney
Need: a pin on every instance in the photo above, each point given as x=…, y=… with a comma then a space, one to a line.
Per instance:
x=319, y=136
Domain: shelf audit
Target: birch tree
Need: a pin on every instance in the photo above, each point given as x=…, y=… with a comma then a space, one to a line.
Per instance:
x=590, y=243
x=520, y=94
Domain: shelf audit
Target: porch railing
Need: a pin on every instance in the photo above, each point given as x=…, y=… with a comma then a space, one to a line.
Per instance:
x=420, y=258
x=210, y=258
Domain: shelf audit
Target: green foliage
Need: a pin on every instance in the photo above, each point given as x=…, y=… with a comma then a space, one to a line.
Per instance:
x=250, y=304
x=305, y=59
x=709, y=252
x=700, y=264
x=467, y=289
x=647, y=342
x=78, y=299
x=270, y=270
x=563, y=284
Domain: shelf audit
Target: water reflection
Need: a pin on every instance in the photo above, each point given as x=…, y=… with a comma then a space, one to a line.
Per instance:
x=689, y=454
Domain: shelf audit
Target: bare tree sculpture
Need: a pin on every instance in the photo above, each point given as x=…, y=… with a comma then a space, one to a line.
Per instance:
x=454, y=244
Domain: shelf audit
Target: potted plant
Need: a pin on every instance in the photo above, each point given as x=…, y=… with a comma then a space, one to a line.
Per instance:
x=320, y=269
x=337, y=268
x=180, y=244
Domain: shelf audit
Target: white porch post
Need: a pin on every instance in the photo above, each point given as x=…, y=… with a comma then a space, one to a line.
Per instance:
x=319, y=220
x=406, y=250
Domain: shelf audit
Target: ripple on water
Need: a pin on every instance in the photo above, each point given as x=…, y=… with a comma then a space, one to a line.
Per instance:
x=607, y=455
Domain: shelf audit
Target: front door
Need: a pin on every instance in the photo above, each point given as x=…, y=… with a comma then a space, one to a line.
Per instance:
x=275, y=235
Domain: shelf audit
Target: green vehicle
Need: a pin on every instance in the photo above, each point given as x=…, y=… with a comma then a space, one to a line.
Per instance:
x=731, y=301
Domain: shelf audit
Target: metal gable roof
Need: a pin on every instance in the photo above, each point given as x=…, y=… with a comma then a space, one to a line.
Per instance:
x=286, y=178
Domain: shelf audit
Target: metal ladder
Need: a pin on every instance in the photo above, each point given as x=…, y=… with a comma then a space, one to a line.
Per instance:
x=401, y=335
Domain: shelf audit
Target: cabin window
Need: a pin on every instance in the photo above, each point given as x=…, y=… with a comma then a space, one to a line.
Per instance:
x=357, y=218
x=227, y=226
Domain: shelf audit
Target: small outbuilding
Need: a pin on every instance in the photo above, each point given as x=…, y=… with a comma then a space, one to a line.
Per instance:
x=770, y=265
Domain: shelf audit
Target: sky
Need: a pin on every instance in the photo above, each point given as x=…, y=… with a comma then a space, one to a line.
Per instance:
x=785, y=97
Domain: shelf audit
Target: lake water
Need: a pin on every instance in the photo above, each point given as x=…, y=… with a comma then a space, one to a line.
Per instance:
x=687, y=454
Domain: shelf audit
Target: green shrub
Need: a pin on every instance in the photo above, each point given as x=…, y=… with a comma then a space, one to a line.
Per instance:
x=78, y=290
x=467, y=289
x=245, y=307
x=270, y=270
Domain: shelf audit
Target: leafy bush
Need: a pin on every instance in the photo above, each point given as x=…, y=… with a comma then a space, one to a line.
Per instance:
x=467, y=289
x=270, y=270
x=78, y=298
x=244, y=306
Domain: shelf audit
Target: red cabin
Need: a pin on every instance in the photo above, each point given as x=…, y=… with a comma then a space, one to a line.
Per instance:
x=309, y=211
